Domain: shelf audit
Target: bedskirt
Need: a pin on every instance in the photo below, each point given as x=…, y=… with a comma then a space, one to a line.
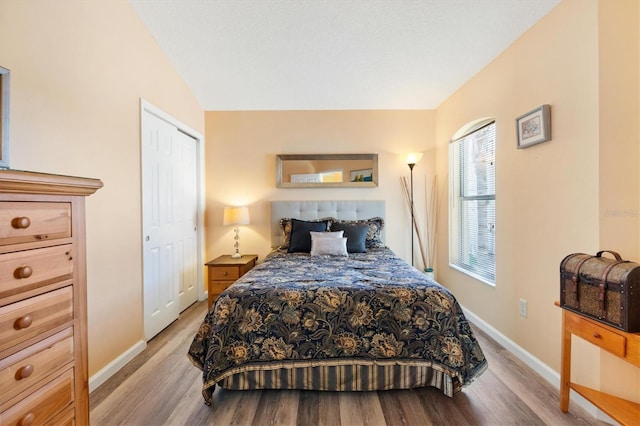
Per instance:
x=341, y=375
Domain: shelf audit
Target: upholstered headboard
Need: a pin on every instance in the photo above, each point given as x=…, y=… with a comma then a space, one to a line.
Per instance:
x=306, y=210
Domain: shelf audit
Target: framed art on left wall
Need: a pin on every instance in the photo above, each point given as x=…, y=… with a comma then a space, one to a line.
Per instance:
x=4, y=118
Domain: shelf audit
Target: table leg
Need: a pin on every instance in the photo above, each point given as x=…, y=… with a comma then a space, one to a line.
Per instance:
x=565, y=368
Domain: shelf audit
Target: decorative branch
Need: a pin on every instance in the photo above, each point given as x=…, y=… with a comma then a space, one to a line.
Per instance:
x=432, y=208
x=416, y=226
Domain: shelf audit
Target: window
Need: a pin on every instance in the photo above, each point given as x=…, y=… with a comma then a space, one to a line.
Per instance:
x=472, y=209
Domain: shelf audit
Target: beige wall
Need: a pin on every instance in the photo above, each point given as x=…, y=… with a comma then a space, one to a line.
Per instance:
x=241, y=165
x=619, y=147
x=78, y=71
x=552, y=197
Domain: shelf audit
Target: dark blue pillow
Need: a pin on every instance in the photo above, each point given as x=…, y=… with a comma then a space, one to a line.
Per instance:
x=356, y=236
x=301, y=234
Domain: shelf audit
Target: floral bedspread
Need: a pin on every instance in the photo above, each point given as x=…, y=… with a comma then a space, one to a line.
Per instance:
x=368, y=306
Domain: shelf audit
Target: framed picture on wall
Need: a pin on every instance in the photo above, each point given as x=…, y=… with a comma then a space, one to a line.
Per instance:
x=4, y=118
x=534, y=127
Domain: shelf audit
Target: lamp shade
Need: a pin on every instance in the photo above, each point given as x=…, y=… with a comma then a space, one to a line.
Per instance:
x=236, y=216
x=414, y=157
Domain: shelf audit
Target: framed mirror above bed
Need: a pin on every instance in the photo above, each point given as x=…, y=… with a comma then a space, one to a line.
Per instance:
x=326, y=170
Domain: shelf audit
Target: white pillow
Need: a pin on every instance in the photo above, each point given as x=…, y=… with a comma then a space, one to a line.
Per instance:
x=329, y=246
x=336, y=234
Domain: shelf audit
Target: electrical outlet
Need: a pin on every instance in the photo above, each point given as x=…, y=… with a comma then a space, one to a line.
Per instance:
x=523, y=308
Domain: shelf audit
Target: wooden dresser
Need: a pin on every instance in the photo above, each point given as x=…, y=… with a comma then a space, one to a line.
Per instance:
x=43, y=313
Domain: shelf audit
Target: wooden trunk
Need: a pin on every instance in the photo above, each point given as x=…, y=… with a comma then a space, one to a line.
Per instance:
x=607, y=290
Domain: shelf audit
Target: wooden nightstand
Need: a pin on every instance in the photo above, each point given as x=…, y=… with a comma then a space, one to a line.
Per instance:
x=225, y=270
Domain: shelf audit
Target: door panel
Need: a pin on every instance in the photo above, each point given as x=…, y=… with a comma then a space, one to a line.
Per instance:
x=169, y=179
x=187, y=215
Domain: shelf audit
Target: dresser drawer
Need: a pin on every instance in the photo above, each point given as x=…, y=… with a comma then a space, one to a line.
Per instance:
x=598, y=335
x=66, y=418
x=24, y=270
x=46, y=402
x=28, y=318
x=224, y=273
x=33, y=364
x=22, y=222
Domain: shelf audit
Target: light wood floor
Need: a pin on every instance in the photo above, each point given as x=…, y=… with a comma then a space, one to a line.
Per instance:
x=161, y=387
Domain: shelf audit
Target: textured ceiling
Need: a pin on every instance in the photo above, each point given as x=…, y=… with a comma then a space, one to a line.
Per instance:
x=333, y=54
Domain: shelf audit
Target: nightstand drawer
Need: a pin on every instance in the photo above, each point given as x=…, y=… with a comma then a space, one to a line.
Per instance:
x=27, y=367
x=29, y=269
x=218, y=287
x=224, y=273
x=600, y=336
x=43, y=404
x=22, y=222
x=28, y=318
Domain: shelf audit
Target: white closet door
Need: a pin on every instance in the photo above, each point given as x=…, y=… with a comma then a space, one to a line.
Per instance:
x=187, y=193
x=169, y=176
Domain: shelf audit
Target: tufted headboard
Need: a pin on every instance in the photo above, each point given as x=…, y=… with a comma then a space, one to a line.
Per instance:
x=306, y=210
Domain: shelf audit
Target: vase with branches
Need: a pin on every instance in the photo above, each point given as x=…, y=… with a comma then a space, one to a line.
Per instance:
x=427, y=245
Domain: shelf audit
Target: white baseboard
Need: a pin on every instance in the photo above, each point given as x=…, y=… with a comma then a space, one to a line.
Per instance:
x=535, y=364
x=114, y=366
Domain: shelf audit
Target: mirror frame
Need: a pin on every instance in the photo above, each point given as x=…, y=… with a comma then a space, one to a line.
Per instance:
x=4, y=118
x=282, y=158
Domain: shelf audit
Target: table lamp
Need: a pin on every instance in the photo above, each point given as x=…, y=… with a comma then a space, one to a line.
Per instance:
x=236, y=216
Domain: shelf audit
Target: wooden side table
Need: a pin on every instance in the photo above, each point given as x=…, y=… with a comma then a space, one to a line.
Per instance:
x=225, y=270
x=624, y=345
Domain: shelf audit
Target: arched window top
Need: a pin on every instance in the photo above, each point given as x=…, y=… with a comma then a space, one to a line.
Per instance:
x=471, y=127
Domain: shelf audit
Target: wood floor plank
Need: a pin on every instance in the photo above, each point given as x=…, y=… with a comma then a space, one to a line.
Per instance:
x=309, y=409
x=244, y=412
x=349, y=411
x=459, y=410
x=161, y=387
x=505, y=405
x=393, y=412
x=440, y=409
x=369, y=405
x=192, y=411
x=329, y=412
x=277, y=408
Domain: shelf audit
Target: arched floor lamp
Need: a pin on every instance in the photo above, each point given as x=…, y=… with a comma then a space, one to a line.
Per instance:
x=412, y=159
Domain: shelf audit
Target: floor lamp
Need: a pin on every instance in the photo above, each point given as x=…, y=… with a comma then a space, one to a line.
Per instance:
x=412, y=159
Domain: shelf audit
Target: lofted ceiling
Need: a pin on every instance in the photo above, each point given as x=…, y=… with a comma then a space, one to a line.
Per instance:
x=333, y=54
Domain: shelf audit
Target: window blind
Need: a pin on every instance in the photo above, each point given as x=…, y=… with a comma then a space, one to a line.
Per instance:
x=472, y=203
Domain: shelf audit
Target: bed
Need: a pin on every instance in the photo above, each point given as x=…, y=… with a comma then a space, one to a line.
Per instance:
x=350, y=317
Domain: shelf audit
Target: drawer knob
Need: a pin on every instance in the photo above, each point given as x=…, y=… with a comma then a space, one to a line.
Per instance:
x=21, y=222
x=597, y=335
x=27, y=419
x=23, y=272
x=225, y=274
x=23, y=322
x=24, y=372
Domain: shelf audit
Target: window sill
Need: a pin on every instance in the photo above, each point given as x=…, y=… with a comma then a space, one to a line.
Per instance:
x=472, y=275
